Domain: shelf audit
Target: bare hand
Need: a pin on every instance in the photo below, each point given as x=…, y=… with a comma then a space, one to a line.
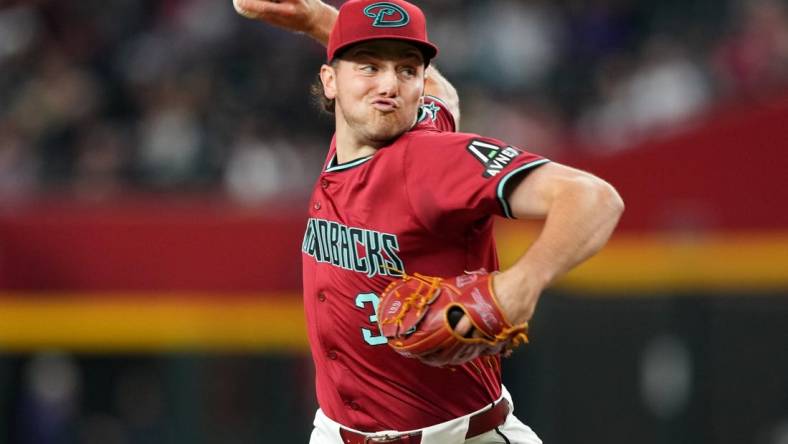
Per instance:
x=312, y=17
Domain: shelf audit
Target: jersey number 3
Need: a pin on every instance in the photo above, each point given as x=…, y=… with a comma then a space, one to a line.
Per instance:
x=370, y=298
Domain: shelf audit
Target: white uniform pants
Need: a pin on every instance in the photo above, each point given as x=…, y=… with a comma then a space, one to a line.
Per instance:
x=513, y=431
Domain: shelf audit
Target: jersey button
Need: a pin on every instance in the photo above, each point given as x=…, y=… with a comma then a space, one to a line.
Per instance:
x=324, y=183
x=321, y=296
x=355, y=406
x=332, y=355
x=316, y=205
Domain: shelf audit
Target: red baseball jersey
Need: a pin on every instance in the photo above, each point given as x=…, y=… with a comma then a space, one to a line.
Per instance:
x=422, y=204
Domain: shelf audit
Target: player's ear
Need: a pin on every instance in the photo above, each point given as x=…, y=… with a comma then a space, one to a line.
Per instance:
x=328, y=76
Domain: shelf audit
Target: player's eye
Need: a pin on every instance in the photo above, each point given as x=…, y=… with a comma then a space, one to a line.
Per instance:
x=368, y=68
x=408, y=71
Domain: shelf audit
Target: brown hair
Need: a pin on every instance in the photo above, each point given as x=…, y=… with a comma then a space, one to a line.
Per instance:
x=319, y=99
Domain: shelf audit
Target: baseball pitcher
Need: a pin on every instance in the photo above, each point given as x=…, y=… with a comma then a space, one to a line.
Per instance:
x=407, y=312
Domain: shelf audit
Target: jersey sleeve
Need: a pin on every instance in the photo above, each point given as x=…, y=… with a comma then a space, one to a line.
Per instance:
x=459, y=177
x=438, y=112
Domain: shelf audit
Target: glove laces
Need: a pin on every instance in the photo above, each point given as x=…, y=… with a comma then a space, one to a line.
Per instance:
x=417, y=299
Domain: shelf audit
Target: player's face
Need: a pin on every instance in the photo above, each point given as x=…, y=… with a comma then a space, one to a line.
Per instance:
x=377, y=87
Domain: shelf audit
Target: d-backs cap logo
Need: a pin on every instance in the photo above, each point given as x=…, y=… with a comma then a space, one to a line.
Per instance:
x=493, y=157
x=387, y=15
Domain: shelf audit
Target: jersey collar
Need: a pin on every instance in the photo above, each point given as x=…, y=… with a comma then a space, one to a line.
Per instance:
x=333, y=166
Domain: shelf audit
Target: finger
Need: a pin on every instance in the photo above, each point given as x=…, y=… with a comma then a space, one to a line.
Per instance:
x=462, y=323
x=464, y=326
x=246, y=8
x=261, y=9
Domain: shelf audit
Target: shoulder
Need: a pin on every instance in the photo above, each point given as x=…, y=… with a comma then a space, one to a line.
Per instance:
x=442, y=140
x=445, y=147
x=434, y=114
x=464, y=153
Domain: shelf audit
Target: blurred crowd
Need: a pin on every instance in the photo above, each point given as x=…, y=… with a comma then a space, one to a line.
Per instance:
x=102, y=98
x=57, y=398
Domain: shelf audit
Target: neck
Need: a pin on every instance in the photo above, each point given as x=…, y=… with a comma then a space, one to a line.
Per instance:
x=351, y=145
x=350, y=148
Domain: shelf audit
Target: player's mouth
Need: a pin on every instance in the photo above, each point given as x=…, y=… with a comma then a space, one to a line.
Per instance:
x=385, y=105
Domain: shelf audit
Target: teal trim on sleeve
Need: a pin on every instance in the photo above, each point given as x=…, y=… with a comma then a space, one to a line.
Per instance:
x=502, y=184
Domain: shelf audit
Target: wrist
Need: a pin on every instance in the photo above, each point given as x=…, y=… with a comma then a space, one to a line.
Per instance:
x=521, y=282
x=518, y=292
x=322, y=22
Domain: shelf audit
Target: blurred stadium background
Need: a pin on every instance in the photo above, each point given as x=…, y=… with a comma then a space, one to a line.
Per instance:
x=155, y=164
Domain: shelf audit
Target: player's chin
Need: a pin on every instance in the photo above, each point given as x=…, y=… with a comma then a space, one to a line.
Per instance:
x=387, y=135
x=384, y=131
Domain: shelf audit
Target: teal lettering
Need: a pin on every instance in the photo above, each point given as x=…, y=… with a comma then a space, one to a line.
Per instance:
x=322, y=237
x=395, y=267
x=345, y=247
x=333, y=240
x=364, y=251
x=369, y=337
x=357, y=238
x=375, y=259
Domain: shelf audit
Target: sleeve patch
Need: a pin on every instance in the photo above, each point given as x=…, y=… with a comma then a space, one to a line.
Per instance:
x=429, y=110
x=493, y=157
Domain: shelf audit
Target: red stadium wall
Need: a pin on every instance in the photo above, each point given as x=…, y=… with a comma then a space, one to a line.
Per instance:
x=730, y=172
x=151, y=246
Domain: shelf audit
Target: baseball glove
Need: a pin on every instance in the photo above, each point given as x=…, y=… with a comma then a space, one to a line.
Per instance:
x=418, y=314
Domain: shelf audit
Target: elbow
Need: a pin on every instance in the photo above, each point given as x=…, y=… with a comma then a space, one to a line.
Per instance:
x=599, y=196
x=609, y=199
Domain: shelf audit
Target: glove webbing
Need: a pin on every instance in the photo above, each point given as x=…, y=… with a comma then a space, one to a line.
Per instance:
x=416, y=299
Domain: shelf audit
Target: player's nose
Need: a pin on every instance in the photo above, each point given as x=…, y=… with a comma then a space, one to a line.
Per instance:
x=388, y=83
